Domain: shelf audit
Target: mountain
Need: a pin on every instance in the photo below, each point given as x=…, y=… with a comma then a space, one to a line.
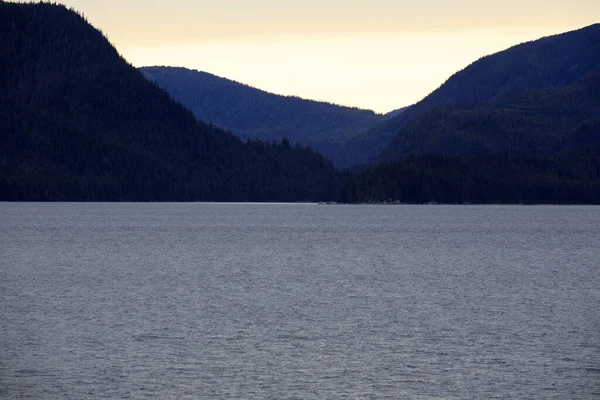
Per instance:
x=536, y=121
x=78, y=122
x=395, y=113
x=520, y=126
x=491, y=83
x=256, y=114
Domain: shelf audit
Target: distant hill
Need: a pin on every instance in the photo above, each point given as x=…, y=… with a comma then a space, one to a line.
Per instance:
x=253, y=113
x=397, y=112
x=535, y=121
x=77, y=122
x=367, y=147
x=551, y=62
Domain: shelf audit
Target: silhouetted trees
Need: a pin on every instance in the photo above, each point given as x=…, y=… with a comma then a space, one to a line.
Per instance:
x=536, y=121
x=552, y=62
x=79, y=123
x=566, y=178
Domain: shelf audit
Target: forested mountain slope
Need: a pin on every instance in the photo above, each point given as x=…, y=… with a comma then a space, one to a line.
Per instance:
x=550, y=62
x=253, y=113
x=520, y=126
x=536, y=121
x=77, y=122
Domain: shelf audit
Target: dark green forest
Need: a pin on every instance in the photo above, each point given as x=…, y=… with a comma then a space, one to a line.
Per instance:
x=256, y=114
x=566, y=178
x=79, y=123
x=536, y=121
x=554, y=61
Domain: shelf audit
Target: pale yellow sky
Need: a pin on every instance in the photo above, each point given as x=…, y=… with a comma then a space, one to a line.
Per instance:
x=377, y=54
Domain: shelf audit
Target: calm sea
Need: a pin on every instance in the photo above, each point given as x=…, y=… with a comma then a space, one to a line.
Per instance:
x=299, y=301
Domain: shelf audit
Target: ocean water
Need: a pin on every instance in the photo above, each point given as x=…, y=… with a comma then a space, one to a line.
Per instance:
x=298, y=301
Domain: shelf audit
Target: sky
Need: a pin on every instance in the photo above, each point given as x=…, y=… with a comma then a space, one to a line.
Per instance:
x=376, y=54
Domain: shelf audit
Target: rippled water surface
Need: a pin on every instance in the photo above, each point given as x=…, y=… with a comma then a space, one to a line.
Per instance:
x=276, y=301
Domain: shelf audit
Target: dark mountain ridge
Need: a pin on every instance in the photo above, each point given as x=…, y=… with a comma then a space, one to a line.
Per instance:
x=79, y=123
x=520, y=126
x=395, y=113
x=554, y=61
x=252, y=113
x=536, y=121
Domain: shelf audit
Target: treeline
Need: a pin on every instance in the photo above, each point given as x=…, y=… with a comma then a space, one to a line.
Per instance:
x=256, y=171
x=77, y=122
x=568, y=178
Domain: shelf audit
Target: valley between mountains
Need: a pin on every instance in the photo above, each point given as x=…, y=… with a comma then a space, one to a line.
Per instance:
x=79, y=123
